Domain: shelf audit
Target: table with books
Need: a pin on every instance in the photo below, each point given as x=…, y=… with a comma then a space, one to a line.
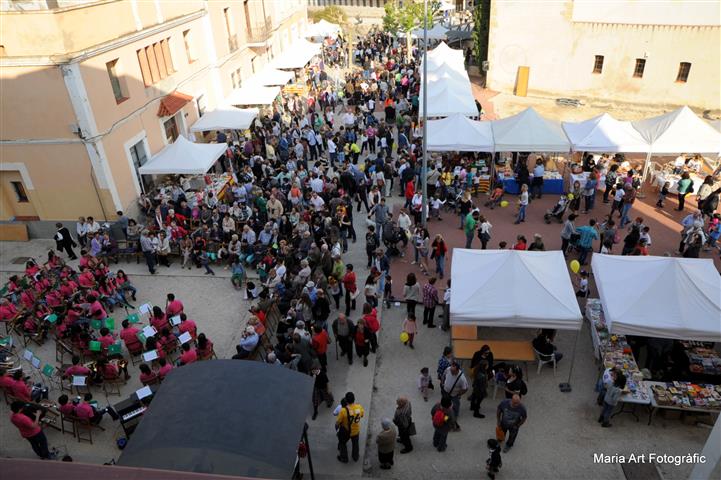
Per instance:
x=684, y=397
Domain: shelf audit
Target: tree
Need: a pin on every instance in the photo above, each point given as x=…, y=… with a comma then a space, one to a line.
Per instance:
x=332, y=14
x=481, y=20
x=408, y=18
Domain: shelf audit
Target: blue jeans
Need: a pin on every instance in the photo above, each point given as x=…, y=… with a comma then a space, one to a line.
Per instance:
x=469, y=239
x=590, y=200
x=624, y=214
x=607, y=411
x=521, y=214
x=440, y=265
x=583, y=254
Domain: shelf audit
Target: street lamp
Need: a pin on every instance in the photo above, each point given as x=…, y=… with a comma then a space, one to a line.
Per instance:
x=424, y=168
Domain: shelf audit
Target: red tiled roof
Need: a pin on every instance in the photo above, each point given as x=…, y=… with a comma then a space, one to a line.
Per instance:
x=172, y=103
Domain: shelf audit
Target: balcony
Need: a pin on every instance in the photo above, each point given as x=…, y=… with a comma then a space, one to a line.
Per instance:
x=258, y=33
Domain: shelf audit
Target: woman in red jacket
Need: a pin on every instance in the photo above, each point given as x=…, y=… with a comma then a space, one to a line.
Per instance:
x=349, y=282
x=438, y=252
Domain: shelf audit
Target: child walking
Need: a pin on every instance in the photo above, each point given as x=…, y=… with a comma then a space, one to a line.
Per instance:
x=409, y=327
x=425, y=383
x=493, y=464
x=582, y=284
x=205, y=262
x=388, y=291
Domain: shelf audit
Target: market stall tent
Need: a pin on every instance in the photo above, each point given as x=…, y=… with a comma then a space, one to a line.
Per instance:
x=444, y=100
x=270, y=77
x=225, y=118
x=661, y=297
x=680, y=131
x=253, y=95
x=716, y=124
x=445, y=53
x=511, y=288
x=529, y=132
x=297, y=55
x=459, y=133
x=322, y=28
x=604, y=134
x=184, y=157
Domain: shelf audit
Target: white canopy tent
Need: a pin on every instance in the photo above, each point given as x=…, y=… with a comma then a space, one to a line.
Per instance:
x=529, y=132
x=661, y=297
x=511, y=288
x=270, y=77
x=253, y=95
x=184, y=157
x=716, y=124
x=459, y=133
x=225, y=118
x=298, y=55
x=444, y=100
x=446, y=73
x=322, y=29
x=604, y=134
x=438, y=32
x=679, y=131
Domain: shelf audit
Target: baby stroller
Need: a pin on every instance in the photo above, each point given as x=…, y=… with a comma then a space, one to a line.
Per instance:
x=496, y=196
x=557, y=211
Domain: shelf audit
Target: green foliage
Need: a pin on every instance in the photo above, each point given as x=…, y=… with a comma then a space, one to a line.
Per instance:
x=479, y=35
x=391, y=23
x=409, y=16
x=332, y=14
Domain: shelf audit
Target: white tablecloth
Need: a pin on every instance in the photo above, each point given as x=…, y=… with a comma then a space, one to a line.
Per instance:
x=664, y=177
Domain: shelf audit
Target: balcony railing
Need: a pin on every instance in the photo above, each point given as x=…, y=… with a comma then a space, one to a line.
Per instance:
x=259, y=32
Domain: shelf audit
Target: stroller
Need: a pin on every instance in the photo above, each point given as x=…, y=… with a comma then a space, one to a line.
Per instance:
x=558, y=210
x=496, y=196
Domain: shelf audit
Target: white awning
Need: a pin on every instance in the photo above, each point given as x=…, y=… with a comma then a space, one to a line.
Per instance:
x=444, y=100
x=297, y=55
x=680, y=131
x=512, y=288
x=529, y=132
x=322, y=29
x=271, y=77
x=605, y=134
x=253, y=95
x=661, y=297
x=459, y=134
x=184, y=157
x=225, y=118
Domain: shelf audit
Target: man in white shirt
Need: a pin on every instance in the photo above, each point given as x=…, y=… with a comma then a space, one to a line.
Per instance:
x=349, y=120
x=316, y=184
x=332, y=152
x=316, y=201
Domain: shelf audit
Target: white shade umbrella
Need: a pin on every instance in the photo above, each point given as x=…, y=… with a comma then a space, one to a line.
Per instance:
x=271, y=77
x=605, y=134
x=184, y=157
x=529, y=132
x=252, y=95
x=458, y=133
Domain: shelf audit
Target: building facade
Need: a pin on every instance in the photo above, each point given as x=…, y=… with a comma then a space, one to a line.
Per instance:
x=91, y=90
x=664, y=53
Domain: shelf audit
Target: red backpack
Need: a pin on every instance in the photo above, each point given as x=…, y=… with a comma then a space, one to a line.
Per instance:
x=439, y=417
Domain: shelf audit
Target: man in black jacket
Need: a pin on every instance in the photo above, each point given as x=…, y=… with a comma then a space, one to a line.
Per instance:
x=63, y=241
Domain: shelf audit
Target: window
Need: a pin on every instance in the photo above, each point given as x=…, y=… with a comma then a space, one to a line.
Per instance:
x=598, y=64
x=640, y=66
x=235, y=78
x=155, y=62
x=230, y=29
x=20, y=193
x=200, y=103
x=683, y=69
x=140, y=157
x=188, y=41
x=171, y=129
x=119, y=88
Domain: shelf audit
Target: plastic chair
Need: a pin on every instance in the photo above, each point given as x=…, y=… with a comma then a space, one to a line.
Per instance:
x=544, y=359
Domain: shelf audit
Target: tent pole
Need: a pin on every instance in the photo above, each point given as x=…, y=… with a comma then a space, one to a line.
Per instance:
x=566, y=387
x=646, y=166
x=307, y=447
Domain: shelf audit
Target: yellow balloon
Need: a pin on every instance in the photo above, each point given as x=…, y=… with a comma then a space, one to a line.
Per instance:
x=504, y=203
x=404, y=337
x=575, y=266
x=570, y=196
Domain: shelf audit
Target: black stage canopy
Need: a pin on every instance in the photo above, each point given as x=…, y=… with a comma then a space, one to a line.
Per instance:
x=227, y=417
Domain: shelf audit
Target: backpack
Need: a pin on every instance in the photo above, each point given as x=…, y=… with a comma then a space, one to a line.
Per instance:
x=439, y=417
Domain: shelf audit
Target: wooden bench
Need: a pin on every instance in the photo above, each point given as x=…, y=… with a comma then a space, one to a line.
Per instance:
x=509, y=350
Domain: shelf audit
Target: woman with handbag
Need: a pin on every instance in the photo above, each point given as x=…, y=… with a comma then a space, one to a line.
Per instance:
x=403, y=419
x=484, y=231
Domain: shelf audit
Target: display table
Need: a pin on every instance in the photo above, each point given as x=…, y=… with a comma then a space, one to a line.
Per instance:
x=513, y=351
x=662, y=177
x=684, y=397
x=702, y=359
x=550, y=186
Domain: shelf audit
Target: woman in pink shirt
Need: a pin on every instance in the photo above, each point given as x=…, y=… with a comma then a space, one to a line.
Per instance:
x=146, y=375
x=189, y=355
x=187, y=326
x=129, y=334
x=158, y=320
x=96, y=309
x=106, y=338
x=19, y=389
x=165, y=368
x=174, y=306
x=77, y=369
